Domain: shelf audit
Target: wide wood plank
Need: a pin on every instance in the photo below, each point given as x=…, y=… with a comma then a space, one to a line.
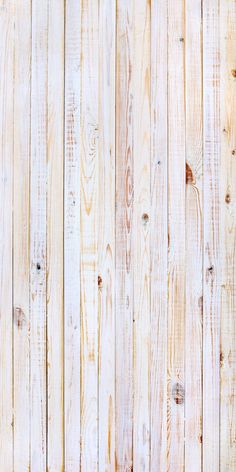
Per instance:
x=55, y=193
x=228, y=236
x=194, y=238
x=106, y=240
x=72, y=236
x=38, y=237
x=158, y=237
x=21, y=253
x=124, y=234
x=6, y=233
x=89, y=235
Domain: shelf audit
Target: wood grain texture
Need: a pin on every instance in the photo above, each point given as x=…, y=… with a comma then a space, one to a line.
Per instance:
x=211, y=267
x=21, y=222
x=72, y=236
x=117, y=235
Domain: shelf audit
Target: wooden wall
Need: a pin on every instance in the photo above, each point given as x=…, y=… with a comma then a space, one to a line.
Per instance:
x=118, y=235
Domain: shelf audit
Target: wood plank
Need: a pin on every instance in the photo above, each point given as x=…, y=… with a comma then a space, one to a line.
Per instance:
x=194, y=238
x=72, y=235
x=89, y=235
x=38, y=236
x=176, y=235
x=106, y=243
x=21, y=254
x=55, y=164
x=6, y=230
x=124, y=250
x=227, y=236
x=158, y=237
x=211, y=308
x=141, y=241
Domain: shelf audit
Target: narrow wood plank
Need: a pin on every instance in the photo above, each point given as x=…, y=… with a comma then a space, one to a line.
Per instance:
x=158, y=236
x=141, y=241
x=194, y=238
x=211, y=308
x=228, y=236
x=106, y=244
x=72, y=235
x=6, y=198
x=55, y=163
x=21, y=255
x=176, y=235
x=124, y=251
x=38, y=237
x=89, y=235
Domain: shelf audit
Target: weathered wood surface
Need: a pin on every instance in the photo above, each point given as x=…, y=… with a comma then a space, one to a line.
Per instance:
x=118, y=235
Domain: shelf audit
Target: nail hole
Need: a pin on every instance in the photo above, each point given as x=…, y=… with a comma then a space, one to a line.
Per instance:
x=233, y=152
x=145, y=218
x=38, y=266
x=210, y=269
x=181, y=40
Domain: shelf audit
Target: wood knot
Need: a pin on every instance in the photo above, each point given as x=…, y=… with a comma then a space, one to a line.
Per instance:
x=181, y=40
x=233, y=72
x=200, y=438
x=178, y=393
x=221, y=359
x=233, y=152
x=19, y=317
x=227, y=198
x=145, y=218
x=189, y=175
x=99, y=282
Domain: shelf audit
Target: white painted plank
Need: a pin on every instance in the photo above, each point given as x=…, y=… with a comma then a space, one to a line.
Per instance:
x=194, y=238
x=55, y=191
x=21, y=255
x=106, y=242
x=211, y=274
x=38, y=238
x=6, y=199
x=141, y=240
x=158, y=237
x=176, y=235
x=72, y=235
x=89, y=236
x=227, y=236
x=124, y=224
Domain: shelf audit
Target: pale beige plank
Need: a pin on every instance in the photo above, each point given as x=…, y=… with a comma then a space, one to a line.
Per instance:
x=176, y=235
x=55, y=164
x=89, y=235
x=38, y=238
x=194, y=238
x=72, y=235
x=106, y=241
x=158, y=237
x=124, y=250
x=21, y=255
x=141, y=240
x=211, y=290
x=6, y=228
x=227, y=236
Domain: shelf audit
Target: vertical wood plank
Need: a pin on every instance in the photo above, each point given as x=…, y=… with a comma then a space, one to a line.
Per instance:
x=176, y=234
x=141, y=241
x=106, y=244
x=211, y=309
x=72, y=235
x=194, y=239
x=158, y=236
x=6, y=229
x=227, y=236
x=22, y=90
x=55, y=163
x=38, y=237
x=124, y=250
x=89, y=235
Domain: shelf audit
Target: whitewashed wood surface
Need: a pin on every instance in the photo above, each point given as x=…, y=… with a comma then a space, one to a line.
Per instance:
x=118, y=235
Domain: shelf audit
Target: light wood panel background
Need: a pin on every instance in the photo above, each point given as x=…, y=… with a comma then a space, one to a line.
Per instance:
x=118, y=235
